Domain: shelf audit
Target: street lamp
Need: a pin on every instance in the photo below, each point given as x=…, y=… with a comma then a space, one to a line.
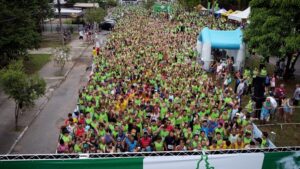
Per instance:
x=60, y=22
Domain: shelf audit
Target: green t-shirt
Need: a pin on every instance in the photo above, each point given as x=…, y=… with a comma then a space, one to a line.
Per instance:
x=102, y=146
x=214, y=115
x=164, y=133
x=219, y=142
x=158, y=146
x=77, y=148
x=220, y=130
x=138, y=102
x=88, y=120
x=66, y=139
x=101, y=133
x=94, y=124
x=88, y=98
x=247, y=140
x=90, y=110
x=154, y=128
x=103, y=117
x=228, y=100
x=197, y=129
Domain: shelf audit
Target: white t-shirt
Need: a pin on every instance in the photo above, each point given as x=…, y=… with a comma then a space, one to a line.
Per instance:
x=273, y=102
x=233, y=139
x=272, y=82
x=219, y=68
x=81, y=33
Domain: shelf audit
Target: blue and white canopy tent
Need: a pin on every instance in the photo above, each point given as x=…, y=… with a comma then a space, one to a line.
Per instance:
x=230, y=40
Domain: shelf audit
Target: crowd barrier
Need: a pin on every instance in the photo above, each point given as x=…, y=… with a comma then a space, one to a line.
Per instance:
x=271, y=158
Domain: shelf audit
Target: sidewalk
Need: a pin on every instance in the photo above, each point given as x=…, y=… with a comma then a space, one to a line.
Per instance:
x=8, y=134
x=42, y=134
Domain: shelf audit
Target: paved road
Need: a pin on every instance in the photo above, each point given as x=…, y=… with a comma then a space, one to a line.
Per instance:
x=42, y=135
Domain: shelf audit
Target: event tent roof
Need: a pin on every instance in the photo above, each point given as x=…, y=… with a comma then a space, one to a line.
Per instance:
x=241, y=15
x=221, y=11
x=229, y=39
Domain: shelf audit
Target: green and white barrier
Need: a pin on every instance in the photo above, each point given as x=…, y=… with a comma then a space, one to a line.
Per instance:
x=272, y=160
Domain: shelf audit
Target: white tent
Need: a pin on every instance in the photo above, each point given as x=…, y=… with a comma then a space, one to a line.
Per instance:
x=240, y=16
x=221, y=11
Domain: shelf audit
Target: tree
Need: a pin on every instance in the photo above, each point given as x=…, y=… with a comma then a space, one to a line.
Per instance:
x=61, y=56
x=189, y=4
x=19, y=86
x=149, y=4
x=274, y=30
x=19, y=28
x=95, y=15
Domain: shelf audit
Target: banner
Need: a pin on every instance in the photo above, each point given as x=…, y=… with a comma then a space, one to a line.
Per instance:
x=277, y=160
x=162, y=8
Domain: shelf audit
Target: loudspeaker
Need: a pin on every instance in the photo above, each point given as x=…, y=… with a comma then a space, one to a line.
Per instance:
x=259, y=86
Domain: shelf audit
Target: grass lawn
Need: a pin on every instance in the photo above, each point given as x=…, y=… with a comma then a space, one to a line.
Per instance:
x=50, y=43
x=286, y=135
x=36, y=62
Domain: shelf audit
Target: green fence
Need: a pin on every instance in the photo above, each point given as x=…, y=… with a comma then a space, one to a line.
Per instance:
x=186, y=160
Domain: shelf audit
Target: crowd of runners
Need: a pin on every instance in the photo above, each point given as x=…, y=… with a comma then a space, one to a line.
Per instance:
x=148, y=92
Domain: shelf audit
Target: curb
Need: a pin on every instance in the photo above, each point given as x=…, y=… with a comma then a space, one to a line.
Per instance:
x=48, y=95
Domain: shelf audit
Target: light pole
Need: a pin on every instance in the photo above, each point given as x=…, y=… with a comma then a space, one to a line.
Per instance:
x=60, y=22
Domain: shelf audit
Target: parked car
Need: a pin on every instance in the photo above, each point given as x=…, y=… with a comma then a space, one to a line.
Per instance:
x=108, y=24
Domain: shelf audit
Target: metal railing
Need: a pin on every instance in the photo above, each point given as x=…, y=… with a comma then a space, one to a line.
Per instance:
x=17, y=157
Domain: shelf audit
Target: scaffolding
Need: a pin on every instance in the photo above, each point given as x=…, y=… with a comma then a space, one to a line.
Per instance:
x=18, y=157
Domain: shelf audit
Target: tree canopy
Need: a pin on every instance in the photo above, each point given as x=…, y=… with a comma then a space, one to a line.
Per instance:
x=274, y=28
x=189, y=4
x=19, y=28
x=95, y=15
x=19, y=86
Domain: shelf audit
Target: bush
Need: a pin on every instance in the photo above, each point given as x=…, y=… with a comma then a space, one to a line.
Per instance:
x=112, y=3
x=149, y=4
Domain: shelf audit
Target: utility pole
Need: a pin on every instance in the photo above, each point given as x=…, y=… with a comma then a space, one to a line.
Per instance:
x=95, y=23
x=60, y=22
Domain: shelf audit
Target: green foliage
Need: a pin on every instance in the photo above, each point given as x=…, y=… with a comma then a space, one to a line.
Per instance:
x=274, y=28
x=19, y=86
x=189, y=4
x=20, y=25
x=95, y=15
x=149, y=4
x=112, y=3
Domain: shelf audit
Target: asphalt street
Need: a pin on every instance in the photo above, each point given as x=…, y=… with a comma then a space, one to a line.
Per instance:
x=42, y=135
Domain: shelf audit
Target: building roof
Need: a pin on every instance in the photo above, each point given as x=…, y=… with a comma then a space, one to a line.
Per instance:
x=86, y=5
x=61, y=2
x=68, y=11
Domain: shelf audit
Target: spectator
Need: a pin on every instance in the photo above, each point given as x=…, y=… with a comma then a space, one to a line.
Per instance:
x=297, y=95
x=145, y=142
x=265, y=111
x=287, y=109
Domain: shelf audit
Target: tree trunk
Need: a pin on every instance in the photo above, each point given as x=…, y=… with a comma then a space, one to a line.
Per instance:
x=287, y=71
x=16, y=115
x=294, y=62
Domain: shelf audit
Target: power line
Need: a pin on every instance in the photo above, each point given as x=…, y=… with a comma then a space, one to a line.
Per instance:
x=8, y=20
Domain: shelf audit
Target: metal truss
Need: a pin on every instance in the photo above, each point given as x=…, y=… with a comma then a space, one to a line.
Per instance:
x=18, y=157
